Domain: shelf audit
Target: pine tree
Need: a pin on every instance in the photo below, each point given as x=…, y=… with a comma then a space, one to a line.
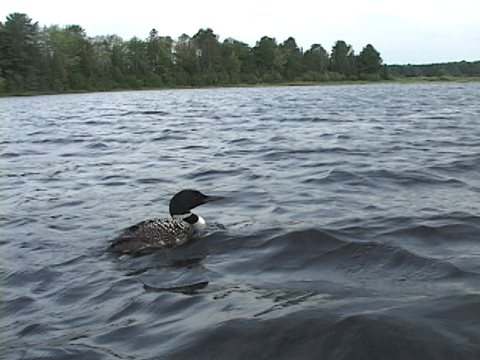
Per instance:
x=19, y=49
x=369, y=61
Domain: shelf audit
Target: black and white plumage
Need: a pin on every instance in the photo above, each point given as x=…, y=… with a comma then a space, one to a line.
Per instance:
x=163, y=233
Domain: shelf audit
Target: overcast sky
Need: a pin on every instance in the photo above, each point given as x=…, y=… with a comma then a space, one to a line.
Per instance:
x=407, y=31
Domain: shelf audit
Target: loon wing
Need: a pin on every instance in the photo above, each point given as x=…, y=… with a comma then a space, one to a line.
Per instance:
x=153, y=234
x=129, y=244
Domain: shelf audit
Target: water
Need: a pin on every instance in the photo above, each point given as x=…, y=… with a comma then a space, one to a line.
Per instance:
x=350, y=228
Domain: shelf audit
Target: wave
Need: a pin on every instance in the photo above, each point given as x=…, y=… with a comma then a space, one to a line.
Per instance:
x=321, y=335
x=144, y=112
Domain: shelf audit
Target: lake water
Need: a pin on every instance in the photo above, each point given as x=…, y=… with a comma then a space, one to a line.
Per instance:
x=350, y=227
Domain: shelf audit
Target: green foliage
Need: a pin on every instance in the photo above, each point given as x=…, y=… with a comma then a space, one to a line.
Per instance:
x=56, y=59
x=187, y=63
x=369, y=63
x=316, y=59
x=267, y=59
x=19, y=40
x=292, y=57
x=343, y=60
x=209, y=54
x=443, y=70
x=160, y=59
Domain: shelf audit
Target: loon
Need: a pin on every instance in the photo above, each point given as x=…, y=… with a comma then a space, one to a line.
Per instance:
x=164, y=233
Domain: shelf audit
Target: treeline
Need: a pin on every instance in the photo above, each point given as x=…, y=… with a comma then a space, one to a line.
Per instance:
x=441, y=70
x=63, y=58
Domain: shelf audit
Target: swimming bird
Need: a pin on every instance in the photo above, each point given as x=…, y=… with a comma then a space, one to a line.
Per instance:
x=164, y=233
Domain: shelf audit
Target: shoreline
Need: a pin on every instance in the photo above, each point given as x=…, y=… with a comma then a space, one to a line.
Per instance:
x=398, y=80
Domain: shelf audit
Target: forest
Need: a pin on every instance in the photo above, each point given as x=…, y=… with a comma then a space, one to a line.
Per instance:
x=463, y=69
x=57, y=59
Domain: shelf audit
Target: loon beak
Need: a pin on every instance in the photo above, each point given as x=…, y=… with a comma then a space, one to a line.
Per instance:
x=209, y=198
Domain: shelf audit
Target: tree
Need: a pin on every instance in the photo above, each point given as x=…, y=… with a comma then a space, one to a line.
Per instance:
x=19, y=49
x=118, y=55
x=268, y=59
x=239, y=62
x=369, y=61
x=136, y=62
x=342, y=59
x=160, y=58
x=79, y=52
x=69, y=54
x=186, y=61
x=292, y=56
x=230, y=60
x=316, y=59
x=107, y=57
x=209, y=53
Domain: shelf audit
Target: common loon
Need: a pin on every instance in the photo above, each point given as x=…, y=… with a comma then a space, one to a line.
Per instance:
x=164, y=233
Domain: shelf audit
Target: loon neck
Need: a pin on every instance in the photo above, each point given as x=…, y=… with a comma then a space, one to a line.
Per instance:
x=187, y=217
x=197, y=221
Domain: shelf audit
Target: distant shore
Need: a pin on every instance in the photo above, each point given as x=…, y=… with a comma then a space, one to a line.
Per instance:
x=59, y=59
x=403, y=80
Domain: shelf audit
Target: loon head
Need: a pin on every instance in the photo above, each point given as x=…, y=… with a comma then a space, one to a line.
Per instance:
x=186, y=200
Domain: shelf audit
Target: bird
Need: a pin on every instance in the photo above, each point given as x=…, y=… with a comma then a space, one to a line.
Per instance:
x=159, y=233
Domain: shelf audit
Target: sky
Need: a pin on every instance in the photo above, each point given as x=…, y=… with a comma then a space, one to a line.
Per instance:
x=404, y=32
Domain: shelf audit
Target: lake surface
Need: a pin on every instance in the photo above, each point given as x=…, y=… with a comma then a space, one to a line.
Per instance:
x=350, y=227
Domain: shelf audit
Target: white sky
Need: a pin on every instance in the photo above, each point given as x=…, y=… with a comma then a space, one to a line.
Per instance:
x=407, y=31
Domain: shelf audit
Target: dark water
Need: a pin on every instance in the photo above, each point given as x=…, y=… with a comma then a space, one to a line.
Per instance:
x=350, y=228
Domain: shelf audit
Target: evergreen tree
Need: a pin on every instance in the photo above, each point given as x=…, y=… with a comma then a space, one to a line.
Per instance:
x=316, y=59
x=101, y=60
x=292, y=56
x=69, y=56
x=315, y=63
x=209, y=54
x=240, y=54
x=231, y=61
x=136, y=60
x=369, y=61
x=118, y=53
x=78, y=49
x=160, y=57
x=268, y=59
x=19, y=50
x=187, y=64
x=342, y=59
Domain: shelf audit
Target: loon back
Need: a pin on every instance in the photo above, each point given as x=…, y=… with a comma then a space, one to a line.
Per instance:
x=154, y=234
